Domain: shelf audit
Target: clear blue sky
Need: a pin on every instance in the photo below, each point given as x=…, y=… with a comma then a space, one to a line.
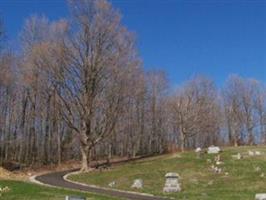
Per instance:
x=183, y=37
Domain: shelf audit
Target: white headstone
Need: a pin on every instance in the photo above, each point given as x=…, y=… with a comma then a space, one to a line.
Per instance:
x=257, y=169
x=172, y=183
x=214, y=150
x=137, y=184
x=75, y=198
x=237, y=156
x=260, y=196
x=251, y=153
x=219, y=163
x=257, y=153
x=112, y=184
x=198, y=150
x=217, y=170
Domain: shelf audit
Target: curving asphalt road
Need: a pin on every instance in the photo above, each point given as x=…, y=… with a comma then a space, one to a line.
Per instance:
x=56, y=179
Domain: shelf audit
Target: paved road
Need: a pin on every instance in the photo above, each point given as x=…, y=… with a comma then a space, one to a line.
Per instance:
x=56, y=179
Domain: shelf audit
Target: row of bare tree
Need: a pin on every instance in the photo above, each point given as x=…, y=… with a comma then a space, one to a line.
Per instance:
x=77, y=90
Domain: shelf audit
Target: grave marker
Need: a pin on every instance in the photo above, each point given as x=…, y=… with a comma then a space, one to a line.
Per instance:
x=75, y=198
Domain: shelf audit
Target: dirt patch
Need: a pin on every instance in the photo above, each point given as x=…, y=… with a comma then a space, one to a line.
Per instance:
x=4, y=173
x=7, y=175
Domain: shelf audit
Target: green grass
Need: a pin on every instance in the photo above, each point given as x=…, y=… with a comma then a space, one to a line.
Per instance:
x=28, y=191
x=198, y=181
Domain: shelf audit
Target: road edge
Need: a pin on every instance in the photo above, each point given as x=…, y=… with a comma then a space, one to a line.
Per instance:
x=33, y=180
x=65, y=177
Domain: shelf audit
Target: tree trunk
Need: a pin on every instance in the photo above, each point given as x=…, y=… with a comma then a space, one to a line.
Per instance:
x=182, y=139
x=59, y=153
x=250, y=137
x=84, y=158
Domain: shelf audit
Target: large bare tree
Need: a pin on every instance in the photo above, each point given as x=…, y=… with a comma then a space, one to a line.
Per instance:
x=92, y=72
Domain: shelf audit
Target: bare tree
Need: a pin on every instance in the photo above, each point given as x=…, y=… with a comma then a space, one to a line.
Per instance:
x=194, y=111
x=92, y=71
x=233, y=112
x=243, y=100
x=260, y=107
x=157, y=88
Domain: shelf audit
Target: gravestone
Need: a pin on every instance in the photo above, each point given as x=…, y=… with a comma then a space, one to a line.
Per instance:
x=217, y=160
x=257, y=169
x=75, y=198
x=112, y=184
x=198, y=150
x=216, y=170
x=251, y=153
x=137, y=184
x=172, y=183
x=238, y=156
x=213, y=150
x=260, y=196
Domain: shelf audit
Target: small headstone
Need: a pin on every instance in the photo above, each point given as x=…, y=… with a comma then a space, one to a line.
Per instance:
x=216, y=170
x=257, y=169
x=260, y=196
x=237, y=156
x=251, y=153
x=137, y=184
x=75, y=198
x=219, y=163
x=218, y=160
x=112, y=184
x=172, y=183
x=214, y=150
x=257, y=153
x=198, y=150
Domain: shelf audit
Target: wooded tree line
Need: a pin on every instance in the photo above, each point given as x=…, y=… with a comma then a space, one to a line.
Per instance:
x=76, y=89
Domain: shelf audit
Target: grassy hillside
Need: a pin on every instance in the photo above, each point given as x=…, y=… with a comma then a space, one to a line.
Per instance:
x=240, y=179
x=27, y=191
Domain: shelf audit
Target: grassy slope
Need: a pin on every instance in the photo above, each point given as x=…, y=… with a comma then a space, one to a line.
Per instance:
x=28, y=191
x=198, y=182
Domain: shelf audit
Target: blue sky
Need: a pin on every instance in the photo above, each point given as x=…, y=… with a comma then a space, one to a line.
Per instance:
x=182, y=37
